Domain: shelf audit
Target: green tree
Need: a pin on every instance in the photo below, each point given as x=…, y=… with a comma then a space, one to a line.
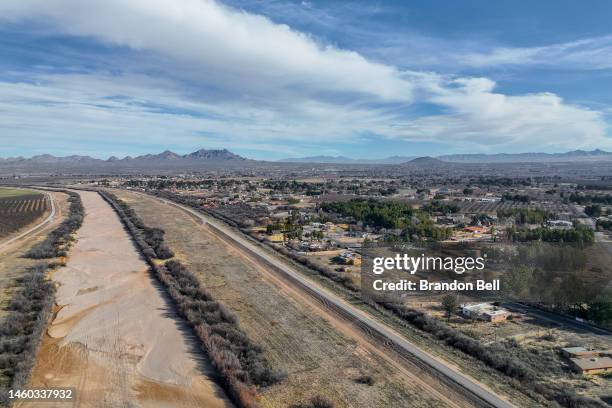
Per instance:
x=592, y=210
x=449, y=303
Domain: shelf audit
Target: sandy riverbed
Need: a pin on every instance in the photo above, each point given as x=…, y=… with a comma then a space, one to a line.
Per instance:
x=115, y=338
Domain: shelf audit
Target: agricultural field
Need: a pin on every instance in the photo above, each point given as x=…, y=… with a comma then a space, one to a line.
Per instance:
x=19, y=208
x=318, y=355
x=13, y=261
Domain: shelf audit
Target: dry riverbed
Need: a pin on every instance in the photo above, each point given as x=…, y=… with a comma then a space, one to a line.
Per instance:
x=114, y=336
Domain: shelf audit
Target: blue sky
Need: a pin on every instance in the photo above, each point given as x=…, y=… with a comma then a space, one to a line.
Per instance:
x=274, y=79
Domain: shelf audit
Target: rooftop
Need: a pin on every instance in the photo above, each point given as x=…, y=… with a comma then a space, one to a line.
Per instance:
x=592, y=363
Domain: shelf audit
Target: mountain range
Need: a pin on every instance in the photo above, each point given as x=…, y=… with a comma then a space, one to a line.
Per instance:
x=166, y=156
x=162, y=162
x=220, y=159
x=347, y=160
x=575, y=155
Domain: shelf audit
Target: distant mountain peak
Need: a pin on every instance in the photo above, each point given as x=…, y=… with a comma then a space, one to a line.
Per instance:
x=218, y=154
x=167, y=154
x=426, y=160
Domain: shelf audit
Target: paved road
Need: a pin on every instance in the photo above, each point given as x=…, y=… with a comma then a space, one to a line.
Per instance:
x=48, y=219
x=347, y=309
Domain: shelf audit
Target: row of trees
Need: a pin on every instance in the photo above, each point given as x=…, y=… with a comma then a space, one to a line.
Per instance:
x=379, y=214
x=59, y=240
x=151, y=239
x=565, y=278
x=394, y=215
x=239, y=361
x=17, y=212
x=22, y=328
x=525, y=216
x=440, y=207
x=590, y=199
x=516, y=197
x=580, y=235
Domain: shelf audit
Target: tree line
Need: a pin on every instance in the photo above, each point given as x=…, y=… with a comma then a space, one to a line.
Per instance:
x=525, y=216
x=516, y=197
x=21, y=330
x=150, y=239
x=580, y=235
x=392, y=215
x=239, y=360
x=590, y=199
x=59, y=240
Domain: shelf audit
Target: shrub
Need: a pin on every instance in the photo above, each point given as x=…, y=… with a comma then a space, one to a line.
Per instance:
x=21, y=330
x=315, y=402
x=59, y=240
x=239, y=361
x=365, y=379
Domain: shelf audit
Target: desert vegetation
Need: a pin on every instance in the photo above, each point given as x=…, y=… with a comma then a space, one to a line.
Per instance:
x=150, y=240
x=59, y=240
x=499, y=356
x=20, y=210
x=22, y=327
x=315, y=402
x=239, y=361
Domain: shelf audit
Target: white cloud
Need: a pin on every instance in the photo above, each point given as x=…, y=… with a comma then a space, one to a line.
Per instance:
x=590, y=53
x=235, y=79
x=238, y=48
x=480, y=116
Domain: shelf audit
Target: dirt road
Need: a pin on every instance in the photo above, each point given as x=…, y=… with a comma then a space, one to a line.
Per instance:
x=114, y=337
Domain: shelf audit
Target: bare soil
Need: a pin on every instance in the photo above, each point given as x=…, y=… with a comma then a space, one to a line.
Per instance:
x=115, y=337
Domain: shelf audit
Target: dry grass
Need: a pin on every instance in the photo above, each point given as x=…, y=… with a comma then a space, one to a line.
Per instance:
x=318, y=358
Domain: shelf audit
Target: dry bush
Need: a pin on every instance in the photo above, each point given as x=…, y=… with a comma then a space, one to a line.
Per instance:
x=239, y=361
x=27, y=316
x=58, y=240
x=315, y=402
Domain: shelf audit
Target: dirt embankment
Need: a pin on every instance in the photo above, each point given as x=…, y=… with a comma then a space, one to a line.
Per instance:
x=115, y=337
